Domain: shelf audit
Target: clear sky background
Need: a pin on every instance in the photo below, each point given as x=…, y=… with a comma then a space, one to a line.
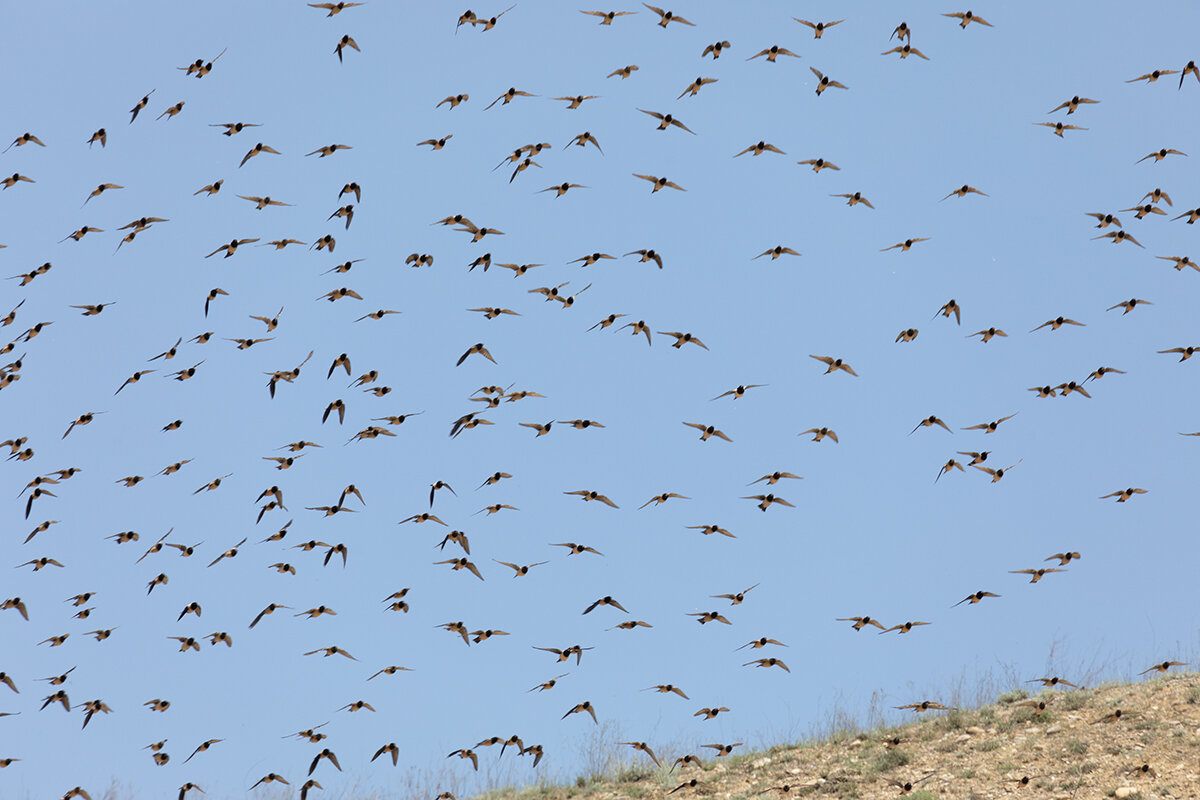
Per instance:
x=871, y=532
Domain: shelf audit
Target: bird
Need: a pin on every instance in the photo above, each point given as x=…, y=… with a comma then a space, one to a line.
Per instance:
x=392, y=749
x=1189, y=69
x=821, y=433
x=707, y=431
x=589, y=494
x=462, y=563
x=1058, y=322
x=666, y=121
x=989, y=427
x=99, y=190
x=667, y=17
x=1123, y=495
x=776, y=252
x=818, y=28
x=997, y=474
x=577, y=100
x=773, y=52
x=1072, y=105
x=1036, y=574
x=715, y=49
x=490, y=23
x=472, y=350
x=646, y=255
x=835, y=364
x=759, y=148
x=904, y=627
x=723, y=749
x=739, y=391
x=862, y=622
x=1057, y=128
x=607, y=17
x=583, y=139
x=437, y=144
x=774, y=477
x=172, y=111
x=234, y=128
x=695, y=86
x=263, y=202
x=270, y=777
x=823, y=82
x=682, y=338
x=973, y=599
x=854, y=199
x=607, y=600
x=1159, y=155
x=334, y=8
x=257, y=149
x=906, y=787
x=905, y=50
x=1151, y=77
x=930, y=421
x=328, y=150
x=906, y=245
x=965, y=18
x=563, y=188
x=202, y=748
x=924, y=705
x=579, y=708
x=659, y=183
x=520, y=570
x=736, y=598
x=343, y=43
x=79, y=234
x=819, y=164
x=1050, y=683
x=508, y=96
x=1184, y=352
x=576, y=549
x=638, y=327
x=328, y=755
x=494, y=312
x=644, y=748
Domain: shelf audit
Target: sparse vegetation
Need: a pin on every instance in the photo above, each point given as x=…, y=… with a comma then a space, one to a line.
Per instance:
x=992, y=744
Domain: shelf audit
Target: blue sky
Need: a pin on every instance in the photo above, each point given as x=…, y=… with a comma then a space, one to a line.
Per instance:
x=871, y=532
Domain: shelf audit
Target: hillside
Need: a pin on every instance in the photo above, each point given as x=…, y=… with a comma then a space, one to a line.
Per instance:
x=1071, y=748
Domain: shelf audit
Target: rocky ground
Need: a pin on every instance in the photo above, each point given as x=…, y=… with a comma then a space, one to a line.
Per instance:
x=1076, y=746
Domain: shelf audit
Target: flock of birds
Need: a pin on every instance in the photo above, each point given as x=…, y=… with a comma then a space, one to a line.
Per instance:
x=44, y=487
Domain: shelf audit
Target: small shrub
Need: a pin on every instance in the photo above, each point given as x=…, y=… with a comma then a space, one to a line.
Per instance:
x=889, y=760
x=631, y=773
x=1073, y=701
x=956, y=719
x=1014, y=696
